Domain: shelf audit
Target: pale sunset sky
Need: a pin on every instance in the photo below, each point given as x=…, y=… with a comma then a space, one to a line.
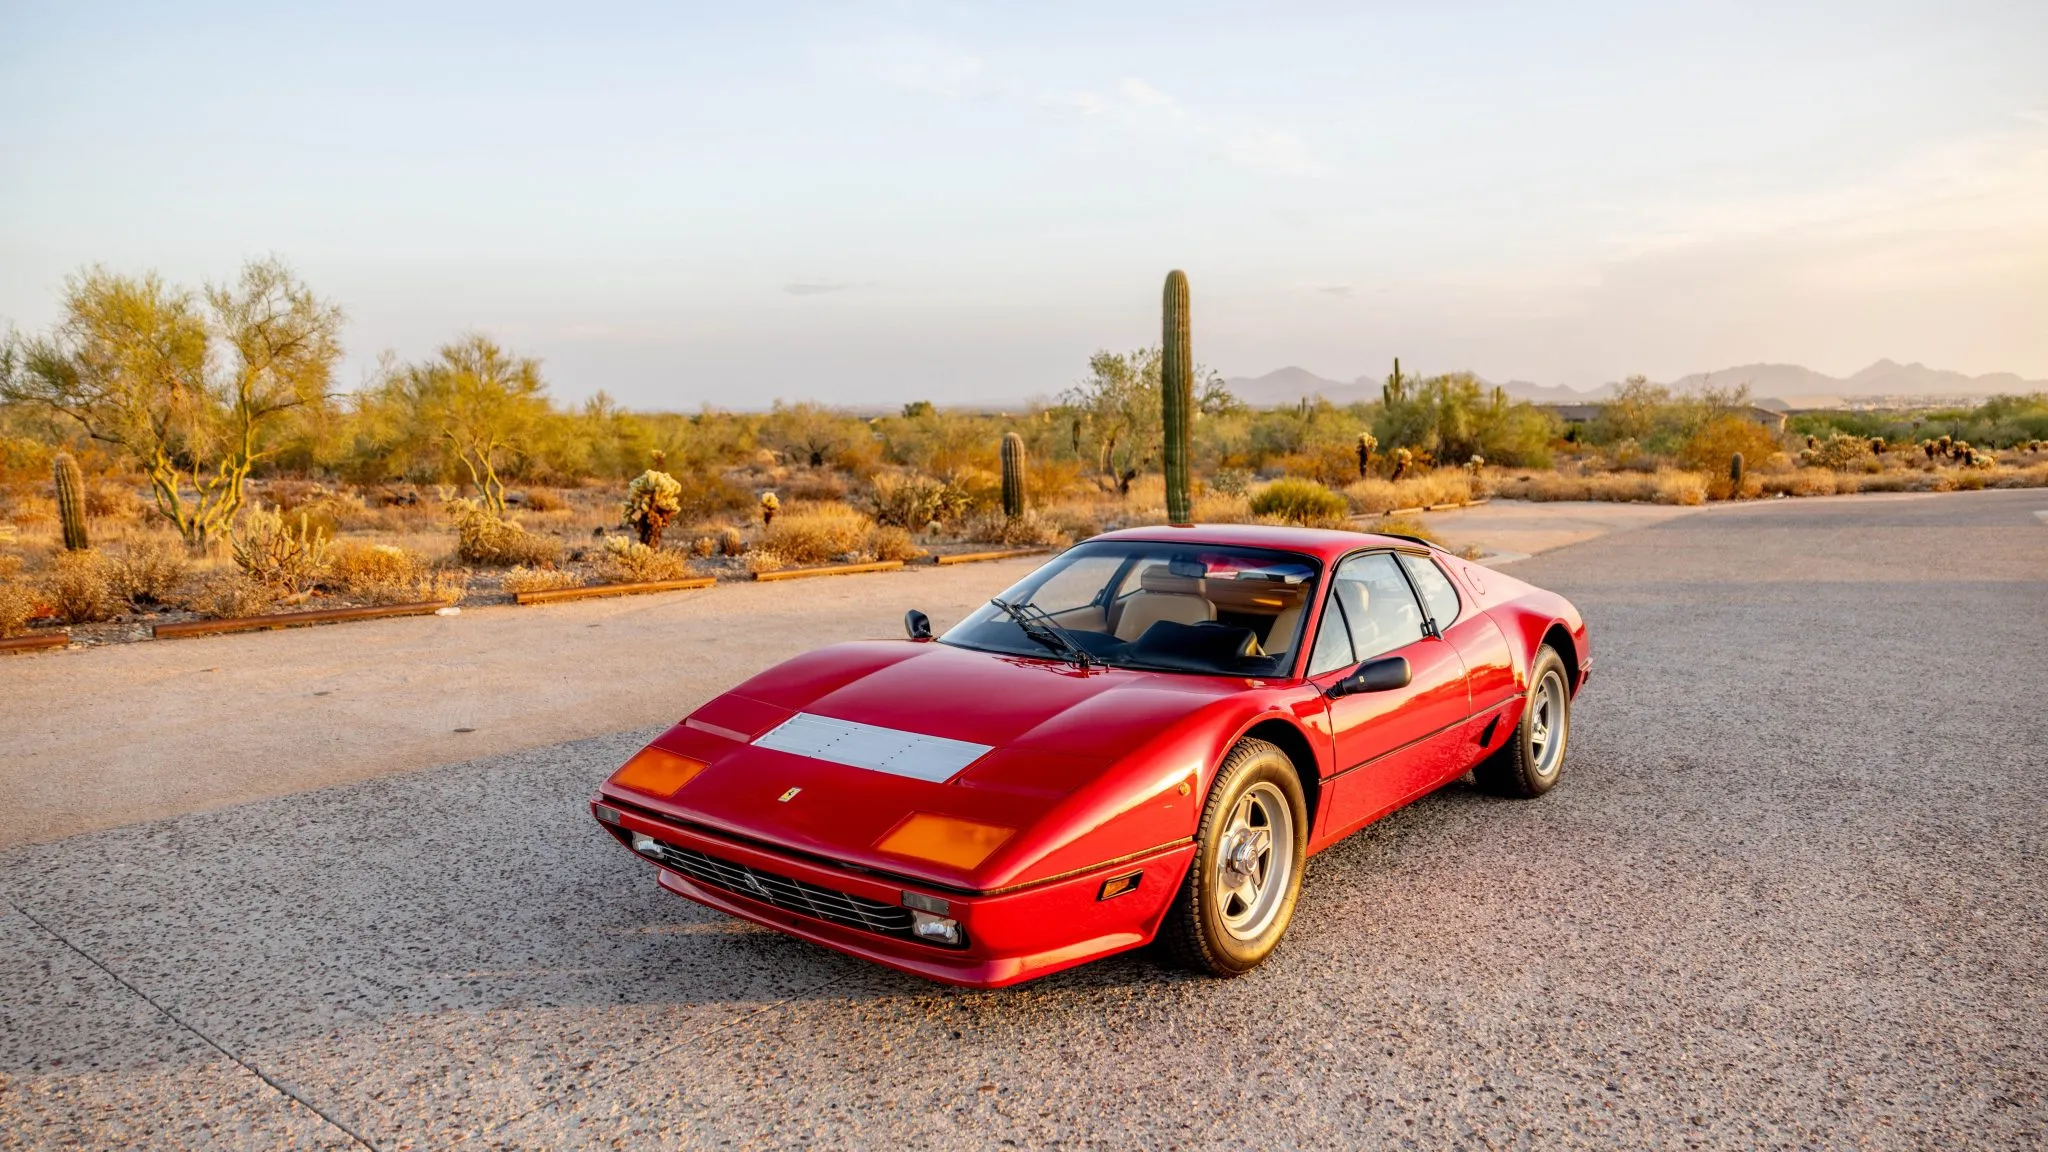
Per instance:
x=870, y=203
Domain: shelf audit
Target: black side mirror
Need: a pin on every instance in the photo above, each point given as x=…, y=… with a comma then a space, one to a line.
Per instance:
x=917, y=624
x=1381, y=675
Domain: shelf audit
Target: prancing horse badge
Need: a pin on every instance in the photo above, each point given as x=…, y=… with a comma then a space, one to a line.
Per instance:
x=786, y=797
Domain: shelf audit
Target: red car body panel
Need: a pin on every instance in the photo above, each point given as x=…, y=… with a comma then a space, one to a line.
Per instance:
x=1100, y=773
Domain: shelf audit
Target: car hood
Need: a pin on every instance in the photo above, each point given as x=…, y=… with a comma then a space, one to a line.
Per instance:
x=884, y=730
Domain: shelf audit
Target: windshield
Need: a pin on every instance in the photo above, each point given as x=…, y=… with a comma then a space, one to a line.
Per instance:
x=1168, y=607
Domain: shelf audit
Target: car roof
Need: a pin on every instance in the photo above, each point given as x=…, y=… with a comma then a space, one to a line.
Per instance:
x=1325, y=544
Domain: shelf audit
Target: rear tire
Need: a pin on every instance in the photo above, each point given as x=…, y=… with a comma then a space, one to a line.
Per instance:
x=1533, y=759
x=1240, y=891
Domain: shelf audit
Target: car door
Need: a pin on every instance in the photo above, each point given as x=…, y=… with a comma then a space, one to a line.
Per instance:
x=1489, y=664
x=1387, y=745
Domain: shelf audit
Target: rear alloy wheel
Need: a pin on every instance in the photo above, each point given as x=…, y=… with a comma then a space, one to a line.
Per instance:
x=1240, y=891
x=1532, y=760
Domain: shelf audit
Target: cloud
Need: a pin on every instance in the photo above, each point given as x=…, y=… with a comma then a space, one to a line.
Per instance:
x=1342, y=291
x=1139, y=93
x=815, y=287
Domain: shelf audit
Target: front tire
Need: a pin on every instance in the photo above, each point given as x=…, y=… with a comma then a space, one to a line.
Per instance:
x=1240, y=891
x=1532, y=761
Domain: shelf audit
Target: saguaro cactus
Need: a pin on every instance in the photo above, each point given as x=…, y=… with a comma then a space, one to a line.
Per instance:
x=1395, y=389
x=70, y=501
x=1176, y=395
x=1735, y=476
x=1013, y=475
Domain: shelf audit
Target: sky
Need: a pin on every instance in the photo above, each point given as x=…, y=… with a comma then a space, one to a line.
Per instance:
x=684, y=204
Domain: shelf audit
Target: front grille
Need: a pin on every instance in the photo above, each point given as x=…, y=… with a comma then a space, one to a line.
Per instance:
x=785, y=893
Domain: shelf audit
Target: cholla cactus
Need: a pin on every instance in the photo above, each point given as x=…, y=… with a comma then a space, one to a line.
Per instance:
x=652, y=502
x=1402, y=458
x=1928, y=447
x=1476, y=463
x=1366, y=443
x=1878, y=445
x=769, y=507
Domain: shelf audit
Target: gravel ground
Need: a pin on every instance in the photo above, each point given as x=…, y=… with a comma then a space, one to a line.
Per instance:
x=1790, y=894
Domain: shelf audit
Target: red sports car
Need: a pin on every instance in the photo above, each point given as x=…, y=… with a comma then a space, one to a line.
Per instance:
x=1146, y=738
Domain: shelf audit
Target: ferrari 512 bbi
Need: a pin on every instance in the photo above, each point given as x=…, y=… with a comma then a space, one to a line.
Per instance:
x=1145, y=739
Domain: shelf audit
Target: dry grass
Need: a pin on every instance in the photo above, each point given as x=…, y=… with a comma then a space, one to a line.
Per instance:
x=1441, y=487
x=150, y=569
x=1404, y=526
x=520, y=580
x=888, y=542
x=79, y=586
x=627, y=561
x=384, y=574
x=1031, y=530
x=18, y=602
x=229, y=594
x=1662, y=487
x=806, y=534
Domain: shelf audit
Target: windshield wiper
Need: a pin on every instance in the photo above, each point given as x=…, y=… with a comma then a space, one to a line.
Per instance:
x=1036, y=624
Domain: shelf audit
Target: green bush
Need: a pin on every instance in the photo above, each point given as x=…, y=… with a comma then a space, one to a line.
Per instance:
x=1300, y=502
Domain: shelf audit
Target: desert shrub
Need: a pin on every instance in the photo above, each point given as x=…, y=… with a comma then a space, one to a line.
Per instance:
x=18, y=602
x=149, y=569
x=546, y=500
x=1031, y=530
x=79, y=586
x=700, y=496
x=889, y=542
x=1443, y=487
x=1232, y=481
x=1800, y=482
x=229, y=594
x=107, y=499
x=1625, y=487
x=384, y=574
x=1300, y=501
x=2032, y=476
x=286, y=557
x=519, y=580
x=626, y=561
x=910, y=500
x=816, y=533
x=1685, y=488
x=1332, y=465
x=1840, y=452
x=814, y=484
x=704, y=547
x=1719, y=439
x=1404, y=526
x=482, y=538
x=1222, y=508
x=763, y=560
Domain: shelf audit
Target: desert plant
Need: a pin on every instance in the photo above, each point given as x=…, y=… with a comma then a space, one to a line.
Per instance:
x=1300, y=502
x=1735, y=475
x=1404, y=526
x=1176, y=395
x=731, y=541
x=385, y=574
x=18, y=601
x=1402, y=457
x=483, y=538
x=1366, y=443
x=286, y=558
x=626, y=561
x=1878, y=445
x=1368, y=496
x=1013, y=475
x=889, y=542
x=229, y=594
x=519, y=580
x=1838, y=452
x=149, y=569
x=70, y=501
x=816, y=534
x=911, y=500
x=769, y=507
x=652, y=501
x=80, y=587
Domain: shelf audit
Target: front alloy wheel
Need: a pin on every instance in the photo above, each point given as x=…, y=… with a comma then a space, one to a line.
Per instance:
x=1240, y=892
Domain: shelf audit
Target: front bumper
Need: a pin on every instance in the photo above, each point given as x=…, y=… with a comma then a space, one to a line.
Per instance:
x=1011, y=936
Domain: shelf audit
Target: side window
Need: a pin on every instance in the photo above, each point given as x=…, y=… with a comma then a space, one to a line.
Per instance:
x=1438, y=596
x=1333, y=643
x=1378, y=604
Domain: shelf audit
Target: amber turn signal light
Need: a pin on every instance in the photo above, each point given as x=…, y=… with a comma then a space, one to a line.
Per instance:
x=657, y=772
x=1119, y=885
x=943, y=839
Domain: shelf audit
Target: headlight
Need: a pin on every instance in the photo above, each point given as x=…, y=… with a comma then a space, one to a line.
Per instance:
x=657, y=772
x=943, y=839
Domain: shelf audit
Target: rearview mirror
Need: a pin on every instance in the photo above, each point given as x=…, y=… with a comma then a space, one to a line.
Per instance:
x=917, y=624
x=1381, y=675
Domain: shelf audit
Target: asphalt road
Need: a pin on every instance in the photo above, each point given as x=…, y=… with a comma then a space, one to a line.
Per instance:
x=1790, y=894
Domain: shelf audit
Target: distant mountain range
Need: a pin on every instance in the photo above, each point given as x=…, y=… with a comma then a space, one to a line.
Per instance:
x=1771, y=385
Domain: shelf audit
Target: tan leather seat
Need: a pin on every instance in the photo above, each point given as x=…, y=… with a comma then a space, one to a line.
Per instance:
x=1163, y=596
